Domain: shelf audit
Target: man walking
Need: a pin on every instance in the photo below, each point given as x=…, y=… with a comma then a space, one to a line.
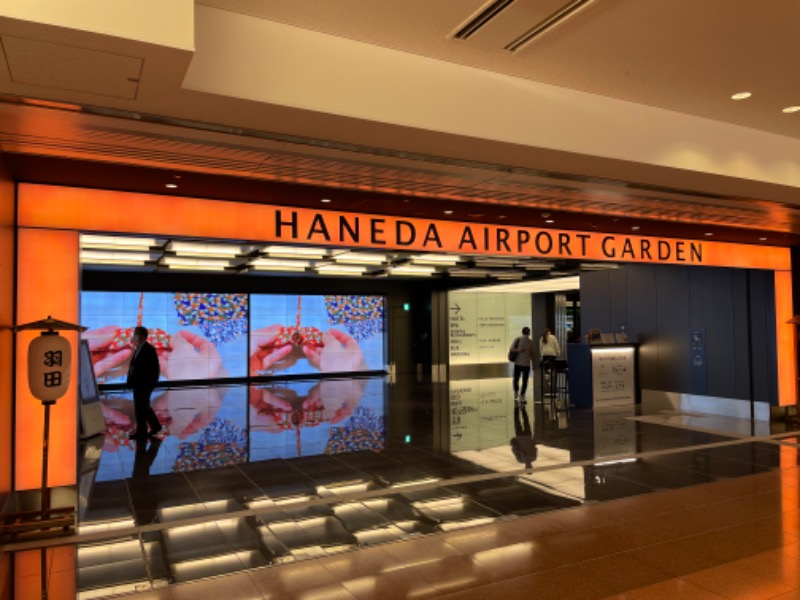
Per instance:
x=142, y=377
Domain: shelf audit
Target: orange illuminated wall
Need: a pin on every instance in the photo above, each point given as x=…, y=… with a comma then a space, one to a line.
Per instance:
x=48, y=285
x=51, y=218
x=6, y=336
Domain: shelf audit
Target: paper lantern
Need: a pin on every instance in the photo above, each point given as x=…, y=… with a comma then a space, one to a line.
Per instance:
x=49, y=363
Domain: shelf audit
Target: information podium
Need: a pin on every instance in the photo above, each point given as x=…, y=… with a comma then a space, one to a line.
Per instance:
x=603, y=374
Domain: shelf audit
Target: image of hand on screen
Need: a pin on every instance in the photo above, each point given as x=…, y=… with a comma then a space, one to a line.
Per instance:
x=116, y=421
x=336, y=398
x=104, y=355
x=339, y=352
x=270, y=407
x=269, y=353
x=192, y=357
x=187, y=411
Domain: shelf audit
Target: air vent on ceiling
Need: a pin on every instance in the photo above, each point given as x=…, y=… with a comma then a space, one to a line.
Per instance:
x=557, y=17
x=482, y=18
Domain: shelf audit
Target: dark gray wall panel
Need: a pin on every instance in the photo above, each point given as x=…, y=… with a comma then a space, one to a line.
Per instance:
x=641, y=310
x=763, y=358
x=663, y=304
x=710, y=293
x=672, y=324
x=741, y=334
x=617, y=290
x=595, y=302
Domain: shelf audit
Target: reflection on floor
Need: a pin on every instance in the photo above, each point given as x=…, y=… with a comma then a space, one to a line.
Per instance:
x=293, y=473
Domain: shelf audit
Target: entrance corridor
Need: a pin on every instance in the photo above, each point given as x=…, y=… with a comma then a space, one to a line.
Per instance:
x=358, y=488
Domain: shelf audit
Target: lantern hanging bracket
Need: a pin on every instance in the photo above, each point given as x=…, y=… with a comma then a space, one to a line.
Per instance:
x=50, y=324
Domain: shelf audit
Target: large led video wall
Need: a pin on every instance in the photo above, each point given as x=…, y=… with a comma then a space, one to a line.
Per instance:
x=215, y=336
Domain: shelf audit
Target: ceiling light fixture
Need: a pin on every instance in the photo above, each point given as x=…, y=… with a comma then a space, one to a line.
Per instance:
x=210, y=264
x=741, y=96
x=535, y=266
x=532, y=287
x=414, y=270
x=111, y=242
x=326, y=200
x=762, y=239
x=791, y=109
x=294, y=252
x=549, y=221
x=435, y=259
x=171, y=186
x=448, y=212
x=98, y=257
x=204, y=250
x=708, y=234
x=635, y=228
x=468, y=273
x=273, y=264
x=359, y=258
x=494, y=261
x=340, y=270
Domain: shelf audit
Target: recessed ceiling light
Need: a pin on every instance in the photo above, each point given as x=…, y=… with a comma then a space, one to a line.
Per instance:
x=635, y=228
x=762, y=239
x=448, y=212
x=177, y=176
x=549, y=221
x=791, y=109
x=708, y=234
x=171, y=186
x=325, y=200
x=501, y=216
x=741, y=96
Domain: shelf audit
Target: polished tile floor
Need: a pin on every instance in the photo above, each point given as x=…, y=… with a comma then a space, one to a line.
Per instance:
x=359, y=488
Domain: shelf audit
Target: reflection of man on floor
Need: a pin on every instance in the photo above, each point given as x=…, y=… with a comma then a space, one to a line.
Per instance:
x=522, y=444
x=145, y=457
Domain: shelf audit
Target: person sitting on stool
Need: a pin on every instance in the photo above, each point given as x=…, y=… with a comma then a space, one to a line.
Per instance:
x=523, y=346
x=549, y=351
x=142, y=377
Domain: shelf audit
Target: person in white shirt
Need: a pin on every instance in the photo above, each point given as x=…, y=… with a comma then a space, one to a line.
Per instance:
x=523, y=362
x=549, y=351
x=548, y=346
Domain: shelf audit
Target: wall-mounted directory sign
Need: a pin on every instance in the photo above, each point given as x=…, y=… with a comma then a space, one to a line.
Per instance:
x=482, y=326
